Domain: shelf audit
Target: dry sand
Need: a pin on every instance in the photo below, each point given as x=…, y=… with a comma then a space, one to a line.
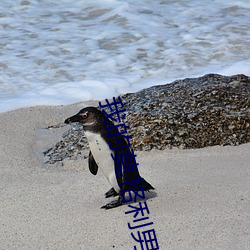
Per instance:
x=201, y=201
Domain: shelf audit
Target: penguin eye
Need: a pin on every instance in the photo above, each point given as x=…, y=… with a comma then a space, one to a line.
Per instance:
x=84, y=115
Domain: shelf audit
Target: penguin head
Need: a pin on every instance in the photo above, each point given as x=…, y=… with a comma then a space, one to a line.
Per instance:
x=88, y=117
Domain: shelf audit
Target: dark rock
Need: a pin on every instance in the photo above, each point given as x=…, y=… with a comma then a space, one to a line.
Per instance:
x=190, y=113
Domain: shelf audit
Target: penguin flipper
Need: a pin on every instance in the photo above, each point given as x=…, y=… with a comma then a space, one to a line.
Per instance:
x=111, y=193
x=93, y=167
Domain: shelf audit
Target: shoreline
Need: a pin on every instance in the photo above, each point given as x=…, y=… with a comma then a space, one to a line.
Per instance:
x=201, y=199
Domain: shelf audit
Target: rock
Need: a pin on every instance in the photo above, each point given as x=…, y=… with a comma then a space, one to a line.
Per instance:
x=190, y=113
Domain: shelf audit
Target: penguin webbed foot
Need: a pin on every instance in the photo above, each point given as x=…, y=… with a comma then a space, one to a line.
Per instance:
x=113, y=204
x=111, y=193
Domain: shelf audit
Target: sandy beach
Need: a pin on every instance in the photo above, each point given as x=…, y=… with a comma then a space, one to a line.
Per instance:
x=201, y=198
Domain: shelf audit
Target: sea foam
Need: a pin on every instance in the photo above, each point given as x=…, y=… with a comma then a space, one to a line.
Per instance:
x=63, y=52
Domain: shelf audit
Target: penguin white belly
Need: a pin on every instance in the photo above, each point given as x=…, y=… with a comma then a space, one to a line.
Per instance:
x=102, y=155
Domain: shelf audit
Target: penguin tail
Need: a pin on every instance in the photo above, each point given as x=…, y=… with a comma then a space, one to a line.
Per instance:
x=146, y=186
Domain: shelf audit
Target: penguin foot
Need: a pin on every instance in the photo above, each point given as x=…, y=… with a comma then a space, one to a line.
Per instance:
x=113, y=204
x=111, y=193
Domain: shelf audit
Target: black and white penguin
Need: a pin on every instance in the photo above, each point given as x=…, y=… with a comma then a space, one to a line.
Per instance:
x=96, y=132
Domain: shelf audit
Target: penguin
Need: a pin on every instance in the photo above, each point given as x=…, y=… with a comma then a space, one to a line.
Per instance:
x=95, y=127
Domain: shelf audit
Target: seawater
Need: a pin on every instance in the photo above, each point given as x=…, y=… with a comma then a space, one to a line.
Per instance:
x=61, y=52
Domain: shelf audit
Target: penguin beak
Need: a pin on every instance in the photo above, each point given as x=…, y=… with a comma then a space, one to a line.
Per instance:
x=74, y=118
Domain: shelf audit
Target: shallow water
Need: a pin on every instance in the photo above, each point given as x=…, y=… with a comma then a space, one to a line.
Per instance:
x=62, y=52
